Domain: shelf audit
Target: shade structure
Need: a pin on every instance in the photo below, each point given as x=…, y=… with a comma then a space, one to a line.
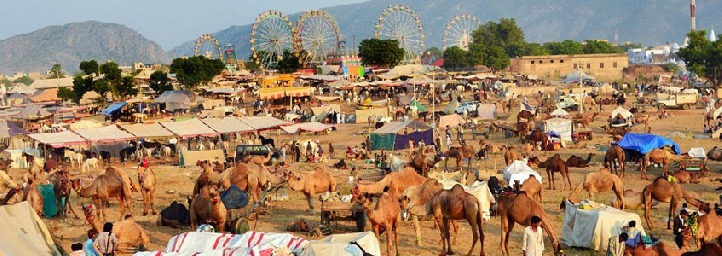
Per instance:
x=309, y=127
x=647, y=142
x=112, y=108
x=107, y=134
x=34, y=111
x=8, y=130
x=189, y=128
x=85, y=124
x=227, y=125
x=59, y=139
x=263, y=122
x=47, y=95
x=388, y=137
x=174, y=100
x=153, y=130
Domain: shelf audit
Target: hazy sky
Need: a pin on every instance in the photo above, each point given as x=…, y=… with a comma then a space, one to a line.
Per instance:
x=167, y=22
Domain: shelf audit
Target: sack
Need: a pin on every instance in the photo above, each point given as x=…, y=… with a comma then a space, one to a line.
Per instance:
x=234, y=198
x=176, y=215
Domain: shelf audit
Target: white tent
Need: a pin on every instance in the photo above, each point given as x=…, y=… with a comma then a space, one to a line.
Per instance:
x=449, y=109
x=452, y=121
x=23, y=233
x=592, y=228
x=340, y=244
x=620, y=110
x=515, y=112
x=560, y=113
x=559, y=125
x=486, y=111
x=519, y=170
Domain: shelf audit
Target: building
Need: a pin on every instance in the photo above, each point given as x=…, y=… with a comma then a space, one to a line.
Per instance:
x=604, y=67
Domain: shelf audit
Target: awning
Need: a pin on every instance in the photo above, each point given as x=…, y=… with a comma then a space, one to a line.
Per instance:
x=298, y=91
x=394, y=127
x=106, y=134
x=227, y=125
x=262, y=122
x=271, y=93
x=58, y=139
x=153, y=130
x=112, y=108
x=189, y=128
x=309, y=127
x=8, y=129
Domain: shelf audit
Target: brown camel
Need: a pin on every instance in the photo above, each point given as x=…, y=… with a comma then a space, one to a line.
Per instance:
x=707, y=250
x=578, y=162
x=519, y=209
x=105, y=186
x=208, y=176
x=318, y=181
x=533, y=188
x=259, y=160
x=384, y=216
x=527, y=115
x=401, y=180
x=660, y=249
x=715, y=154
x=632, y=201
x=683, y=176
x=455, y=176
x=598, y=182
x=457, y=204
x=420, y=163
x=557, y=164
x=146, y=180
x=416, y=201
x=615, y=157
x=207, y=207
x=32, y=195
x=459, y=153
x=666, y=192
x=538, y=136
x=659, y=156
x=585, y=120
x=510, y=155
x=62, y=189
x=616, y=131
x=709, y=228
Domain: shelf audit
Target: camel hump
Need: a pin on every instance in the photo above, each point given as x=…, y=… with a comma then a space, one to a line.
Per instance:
x=456, y=188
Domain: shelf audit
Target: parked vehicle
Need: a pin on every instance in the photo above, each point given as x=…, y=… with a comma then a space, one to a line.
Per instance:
x=469, y=106
x=676, y=100
x=256, y=150
x=568, y=102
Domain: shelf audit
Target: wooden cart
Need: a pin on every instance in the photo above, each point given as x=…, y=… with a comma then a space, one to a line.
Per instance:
x=340, y=211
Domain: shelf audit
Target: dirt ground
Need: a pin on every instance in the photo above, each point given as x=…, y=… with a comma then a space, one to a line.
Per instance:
x=180, y=180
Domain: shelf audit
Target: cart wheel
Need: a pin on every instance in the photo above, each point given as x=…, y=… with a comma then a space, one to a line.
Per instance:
x=591, y=136
x=325, y=218
x=241, y=226
x=159, y=221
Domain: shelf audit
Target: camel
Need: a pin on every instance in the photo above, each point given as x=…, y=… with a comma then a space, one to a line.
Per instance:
x=660, y=249
x=706, y=250
x=683, y=176
x=207, y=207
x=455, y=176
x=32, y=195
x=632, y=201
x=105, y=186
x=401, y=180
x=666, y=192
x=709, y=228
x=527, y=115
x=602, y=181
x=578, y=162
x=208, y=176
x=62, y=189
x=146, y=180
x=510, y=155
x=557, y=164
x=416, y=201
x=459, y=153
x=521, y=214
x=318, y=181
x=659, y=156
x=384, y=216
x=585, y=120
x=128, y=232
x=259, y=160
x=457, y=204
x=616, y=131
x=420, y=163
x=75, y=158
x=615, y=154
x=538, y=136
x=532, y=187
x=715, y=154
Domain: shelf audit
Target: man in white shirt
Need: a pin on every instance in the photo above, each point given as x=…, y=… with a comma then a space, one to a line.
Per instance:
x=533, y=241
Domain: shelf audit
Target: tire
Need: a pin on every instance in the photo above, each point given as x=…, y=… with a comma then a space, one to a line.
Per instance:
x=661, y=106
x=685, y=106
x=241, y=226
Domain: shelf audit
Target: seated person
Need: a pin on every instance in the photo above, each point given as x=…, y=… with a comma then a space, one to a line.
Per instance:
x=341, y=164
x=619, y=119
x=350, y=153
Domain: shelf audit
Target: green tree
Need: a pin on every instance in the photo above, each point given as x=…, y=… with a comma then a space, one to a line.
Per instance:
x=383, y=53
x=598, y=46
x=496, y=58
x=6, y=82
x=196, y=70
x=436, y=52
x=66, y=94
x=56, y=71
x=101, y=86
x=89, y=67
x=564, y=47
x=159, y=82
x=25, y=80
x=111, y=72
x=529, y=49
x=292, y=61
x=125, y=88
x=703, y=57
x=455, y=58
x=81, y=85
x=505, y=34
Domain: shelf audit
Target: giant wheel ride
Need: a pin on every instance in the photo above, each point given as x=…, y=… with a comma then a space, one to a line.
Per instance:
x=318, y=34
x=401, y=23
x=272, y=34
x=458, y=31
x=208, y=46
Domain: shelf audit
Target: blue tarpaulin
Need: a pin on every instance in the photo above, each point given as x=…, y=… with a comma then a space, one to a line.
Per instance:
x=646, y=142
x=112, y=108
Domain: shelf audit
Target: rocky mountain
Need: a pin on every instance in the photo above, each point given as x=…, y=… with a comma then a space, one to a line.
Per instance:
x=75, y=42
x=648, y=22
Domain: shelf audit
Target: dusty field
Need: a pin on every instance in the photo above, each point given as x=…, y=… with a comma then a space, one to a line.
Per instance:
x=70, y=230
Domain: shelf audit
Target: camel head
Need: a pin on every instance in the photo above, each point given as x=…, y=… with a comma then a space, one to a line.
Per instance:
x=88, y=212
x=75, y=183
x=364, y=199
x=213, y=193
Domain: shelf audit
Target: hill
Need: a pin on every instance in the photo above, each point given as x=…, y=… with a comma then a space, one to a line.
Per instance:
x=75, y=42
x=648, y=22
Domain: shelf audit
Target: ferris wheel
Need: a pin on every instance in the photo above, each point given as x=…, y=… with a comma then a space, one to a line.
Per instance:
x=458, y=31
x=208, y=46
x=318, y=34
x=272, y=34
x=401, y=23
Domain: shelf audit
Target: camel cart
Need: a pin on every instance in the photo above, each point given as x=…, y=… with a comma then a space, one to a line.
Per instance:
x=696, y=161
x=340, y=211
x=237, y=219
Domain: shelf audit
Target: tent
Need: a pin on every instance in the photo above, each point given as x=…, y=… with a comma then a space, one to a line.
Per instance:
x=561, y=126
x=519, y=170
x=86, y=123
x=560, y=113
x=153, y=130
x=58, y=139
x=416, y=104
x=263, y=122
x=486, y=111
x=33, y=112
x=24, y=232
x=575, y=75
x=452, y=121
x=340, y=244
x=362, y=115
x=449, y=109
x=620, y=110
x=646, y=142
x=174, y=100
x=323, y=111
x=515, y=112
x=388, y=138
x=309, y=127
x=592, y=228
x=189, y=128
x=227, y=125
x=113, y=108
x=46, y=95
x=212, y=244
x=106, y=134
x=8, y=129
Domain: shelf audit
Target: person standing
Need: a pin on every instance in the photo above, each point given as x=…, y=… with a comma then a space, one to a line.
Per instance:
x=448, y=137
x=616, y=245
x=106, y=243
x=88, y=246
x=331, y=152
x=680, y=225
x=533, y=241
x=297, y=152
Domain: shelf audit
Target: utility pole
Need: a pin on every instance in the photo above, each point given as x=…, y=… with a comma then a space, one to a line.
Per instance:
x=581, y=86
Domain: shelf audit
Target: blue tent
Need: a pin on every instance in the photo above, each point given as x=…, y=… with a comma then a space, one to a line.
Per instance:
x=112, y=108
x=646, y=142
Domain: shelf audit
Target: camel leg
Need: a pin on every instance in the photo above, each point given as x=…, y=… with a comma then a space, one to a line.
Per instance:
x=672, y=209
x=145, y=202
x=122, y=202
x=417, y=228
x=447, y=236
x=455, y=225
x=550, y=174
x=505, y=232
x=310, y=202
x=396, y=236
x=647, y=207
x=568, y=181
x=152, y=206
